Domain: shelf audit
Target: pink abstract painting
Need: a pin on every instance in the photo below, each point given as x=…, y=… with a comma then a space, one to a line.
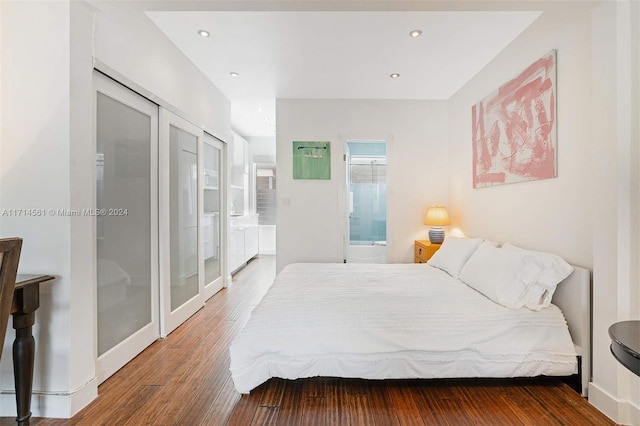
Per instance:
x=514, y=128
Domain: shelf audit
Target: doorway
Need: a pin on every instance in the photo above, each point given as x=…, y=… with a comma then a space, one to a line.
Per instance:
x=366, y=164
x=265, y=201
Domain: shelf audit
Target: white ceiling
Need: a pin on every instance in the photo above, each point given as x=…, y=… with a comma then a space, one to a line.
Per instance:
x=336, y=54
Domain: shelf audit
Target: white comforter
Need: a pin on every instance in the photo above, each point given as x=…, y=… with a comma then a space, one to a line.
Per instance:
x=392, y=321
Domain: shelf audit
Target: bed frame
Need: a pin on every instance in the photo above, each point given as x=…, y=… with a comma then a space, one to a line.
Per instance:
x=573, y=297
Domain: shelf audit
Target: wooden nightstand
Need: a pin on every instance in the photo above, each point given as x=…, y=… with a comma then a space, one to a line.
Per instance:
x=424, y=250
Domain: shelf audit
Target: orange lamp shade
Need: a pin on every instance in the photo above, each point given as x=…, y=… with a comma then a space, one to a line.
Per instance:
x=437, y=216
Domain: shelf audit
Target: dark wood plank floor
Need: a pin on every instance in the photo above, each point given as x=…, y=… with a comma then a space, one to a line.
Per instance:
x=184, y=380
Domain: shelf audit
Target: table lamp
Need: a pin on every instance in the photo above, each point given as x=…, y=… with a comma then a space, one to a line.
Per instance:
x=436, y=217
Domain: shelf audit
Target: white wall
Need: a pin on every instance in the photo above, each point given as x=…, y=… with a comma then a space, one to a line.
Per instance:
x=48, y=161
x=616, y=273
x=133, y=46
x=262, y=146
x=588, y=214
x=81, y=174
x=310, y=221
x=35, y=145
x=548, y=214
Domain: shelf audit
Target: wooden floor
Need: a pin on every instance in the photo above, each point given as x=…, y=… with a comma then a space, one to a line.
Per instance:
x=184, y=380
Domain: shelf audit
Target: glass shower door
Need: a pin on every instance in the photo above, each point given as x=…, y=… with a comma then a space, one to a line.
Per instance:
x=367, y=203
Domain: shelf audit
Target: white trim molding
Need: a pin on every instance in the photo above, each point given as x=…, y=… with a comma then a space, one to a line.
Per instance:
x=621, y=412
x=52, y=404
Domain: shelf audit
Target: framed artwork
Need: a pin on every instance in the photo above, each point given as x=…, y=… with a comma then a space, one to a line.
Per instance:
x=514, y=128
x=311, y=160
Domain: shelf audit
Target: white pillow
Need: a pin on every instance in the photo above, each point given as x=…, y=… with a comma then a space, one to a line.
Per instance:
x=453, y=254
x=508, y=277
x=555, y=270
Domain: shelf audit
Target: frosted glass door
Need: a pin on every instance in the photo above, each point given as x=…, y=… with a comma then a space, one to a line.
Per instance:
x=213, y=219
x=126, y=226
x=181, y=274
x=367, y=202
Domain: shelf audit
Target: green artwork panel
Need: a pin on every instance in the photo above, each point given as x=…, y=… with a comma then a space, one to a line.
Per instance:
x=312, y=160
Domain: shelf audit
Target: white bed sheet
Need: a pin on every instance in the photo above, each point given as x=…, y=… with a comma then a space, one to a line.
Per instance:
x=392, y=321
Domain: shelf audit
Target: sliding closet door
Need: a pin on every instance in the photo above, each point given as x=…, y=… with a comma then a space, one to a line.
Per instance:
x=181, y=274
x=126, y=224
x=214, y=219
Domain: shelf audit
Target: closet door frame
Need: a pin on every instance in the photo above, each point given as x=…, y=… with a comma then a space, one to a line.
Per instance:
x=169, y=319
x=213, y=287
x=116, y=357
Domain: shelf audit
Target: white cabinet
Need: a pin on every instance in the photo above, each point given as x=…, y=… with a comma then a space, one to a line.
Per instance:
x=243, y=240
x=244, y=234
x=251, y=242
x=236, y=243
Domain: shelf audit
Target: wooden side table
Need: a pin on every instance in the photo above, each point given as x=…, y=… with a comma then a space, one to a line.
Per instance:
x=423, y=250
x=26, y=299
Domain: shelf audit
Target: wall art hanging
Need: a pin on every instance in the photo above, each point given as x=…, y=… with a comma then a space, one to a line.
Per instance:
x=312, y=160
x=514, y=128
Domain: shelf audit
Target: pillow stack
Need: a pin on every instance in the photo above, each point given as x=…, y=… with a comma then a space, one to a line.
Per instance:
x=511, y=276
x=454, y=253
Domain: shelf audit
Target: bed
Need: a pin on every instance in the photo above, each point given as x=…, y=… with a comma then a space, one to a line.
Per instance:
x=410, y=321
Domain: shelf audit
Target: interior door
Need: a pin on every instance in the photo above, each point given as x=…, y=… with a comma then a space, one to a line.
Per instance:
x=214, y=219
x=366, y=183
x=126, y=231
x=181, y=272
x=348, y=202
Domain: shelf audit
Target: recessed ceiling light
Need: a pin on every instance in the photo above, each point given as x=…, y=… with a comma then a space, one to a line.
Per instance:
x=233, y=74
x=260, y=109
x=203, y=33
x=415, y=33
x=394, y=75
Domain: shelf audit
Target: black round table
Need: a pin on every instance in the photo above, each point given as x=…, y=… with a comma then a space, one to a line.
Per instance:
x=625, y=344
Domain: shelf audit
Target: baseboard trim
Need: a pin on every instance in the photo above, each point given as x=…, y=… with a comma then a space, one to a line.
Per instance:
x=634, y=414
x=621, y=412
x=82, y=397
x=604, y=402
x=52, y=404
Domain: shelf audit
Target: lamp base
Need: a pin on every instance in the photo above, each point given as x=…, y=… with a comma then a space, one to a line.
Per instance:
x=436, y=235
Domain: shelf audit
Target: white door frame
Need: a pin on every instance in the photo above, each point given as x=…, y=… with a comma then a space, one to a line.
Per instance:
x=170, y=320
x=213, y=287
x=112, y=360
